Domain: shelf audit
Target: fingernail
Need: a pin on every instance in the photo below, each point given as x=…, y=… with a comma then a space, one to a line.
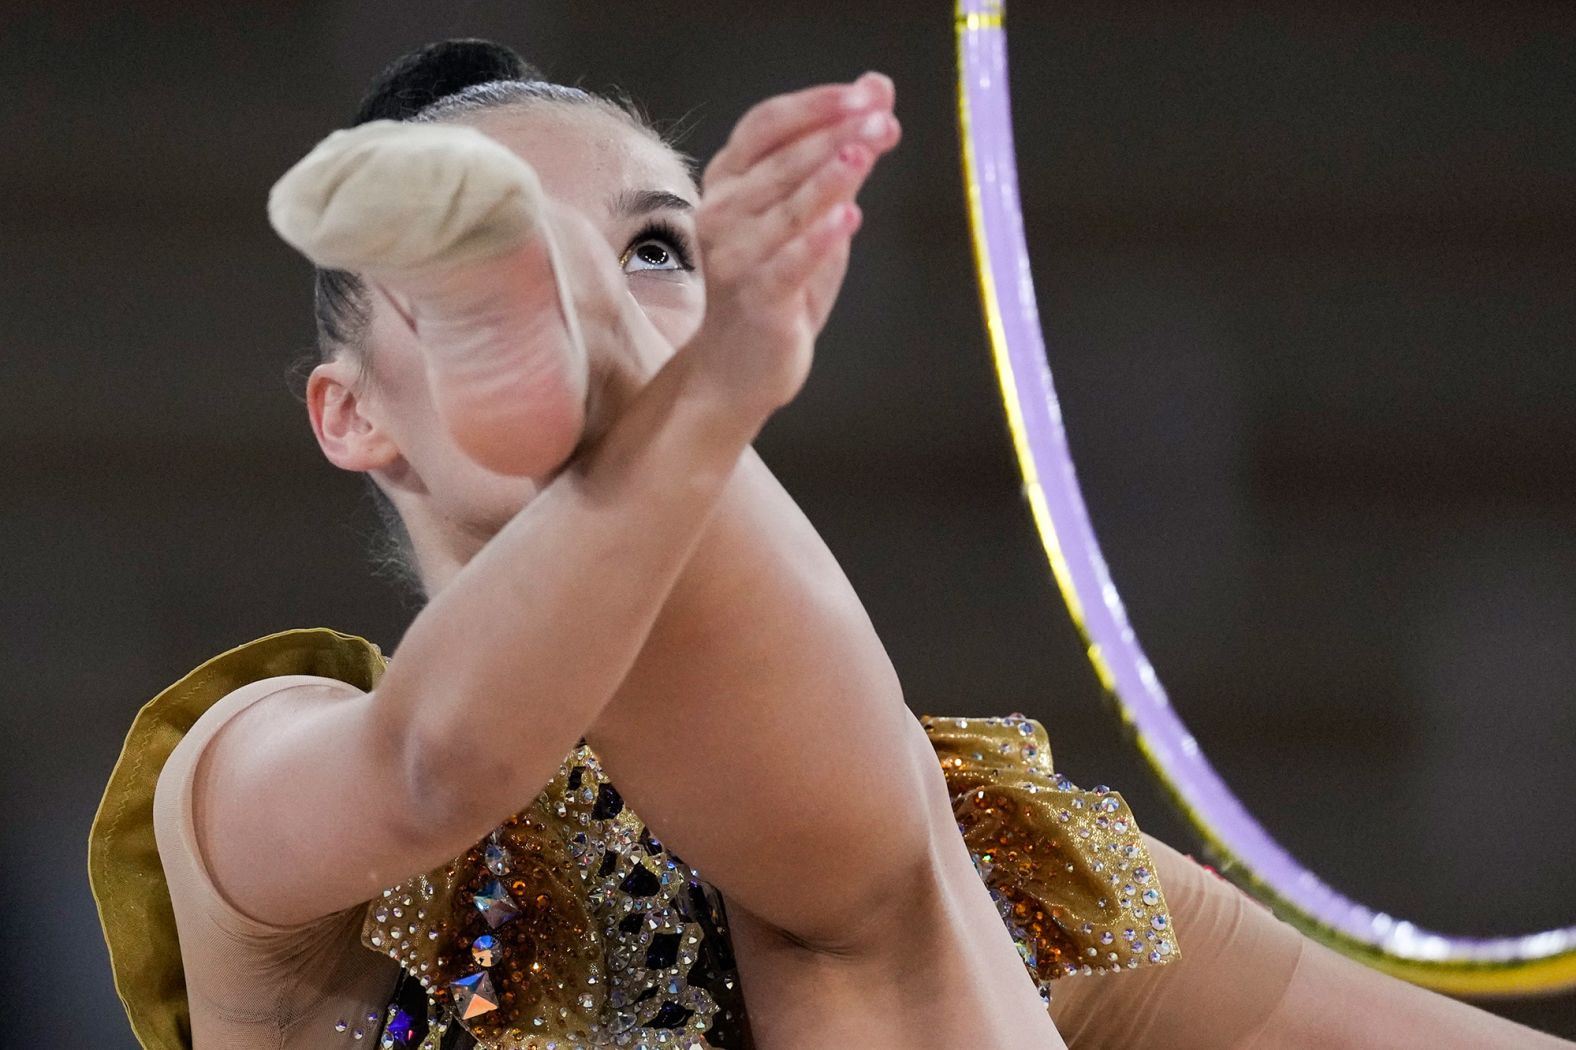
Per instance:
x=876, y=79
x=854, y=155
x=858, y=97
x=874, y=126
x=838, y=215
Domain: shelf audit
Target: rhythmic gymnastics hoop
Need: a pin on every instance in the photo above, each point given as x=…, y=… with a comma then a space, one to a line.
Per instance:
x=1241, y=848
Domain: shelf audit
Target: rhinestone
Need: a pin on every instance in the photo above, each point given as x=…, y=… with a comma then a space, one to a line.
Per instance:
x=484, y=950
x=495, y=904
x=497, y=859
x=473, y=995
x=400, y=1030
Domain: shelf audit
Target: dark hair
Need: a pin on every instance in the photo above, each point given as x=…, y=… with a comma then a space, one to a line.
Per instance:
x=440, y=81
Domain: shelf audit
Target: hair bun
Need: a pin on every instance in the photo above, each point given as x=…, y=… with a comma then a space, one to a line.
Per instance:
x=416, y=80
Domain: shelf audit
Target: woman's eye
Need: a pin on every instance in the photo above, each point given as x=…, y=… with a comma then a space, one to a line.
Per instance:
x=651, y=253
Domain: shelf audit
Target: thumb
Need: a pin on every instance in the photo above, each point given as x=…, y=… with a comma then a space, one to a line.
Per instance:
x=822, y=288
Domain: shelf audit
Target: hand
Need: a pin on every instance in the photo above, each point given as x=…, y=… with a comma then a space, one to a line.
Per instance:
x=776, y=219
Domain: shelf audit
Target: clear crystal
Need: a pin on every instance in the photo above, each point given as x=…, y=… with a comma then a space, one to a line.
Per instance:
x=495, y=904
x=485, y=950
x=473, y=995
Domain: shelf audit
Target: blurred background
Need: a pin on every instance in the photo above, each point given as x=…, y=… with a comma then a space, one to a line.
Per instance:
x=1307, y=273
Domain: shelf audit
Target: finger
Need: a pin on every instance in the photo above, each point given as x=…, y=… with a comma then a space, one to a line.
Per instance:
x=835, y=181
x=782, y=172
x=754, y=240
x=778, y=120
x=788, y=270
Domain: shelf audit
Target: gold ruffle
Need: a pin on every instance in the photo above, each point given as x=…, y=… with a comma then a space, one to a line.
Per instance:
x=123, y=859
x=1068, y=868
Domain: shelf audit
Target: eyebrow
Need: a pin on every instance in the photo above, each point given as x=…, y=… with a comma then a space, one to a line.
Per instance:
x=632, y=203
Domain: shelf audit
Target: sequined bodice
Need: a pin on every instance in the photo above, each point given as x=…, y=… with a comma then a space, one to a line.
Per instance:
x=569, y=928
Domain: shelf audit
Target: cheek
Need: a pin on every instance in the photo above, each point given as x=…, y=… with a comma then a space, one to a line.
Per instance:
x=674, y=308
x=400, y=381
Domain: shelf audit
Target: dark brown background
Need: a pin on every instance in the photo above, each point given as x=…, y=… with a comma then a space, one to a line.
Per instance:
x=1307, y=281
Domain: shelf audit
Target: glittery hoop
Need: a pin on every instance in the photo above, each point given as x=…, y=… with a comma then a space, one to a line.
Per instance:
x=1534, y=963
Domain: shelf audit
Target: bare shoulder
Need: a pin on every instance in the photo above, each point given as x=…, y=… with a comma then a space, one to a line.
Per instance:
x=245, y=716
x=297, y=802
x=212, y=777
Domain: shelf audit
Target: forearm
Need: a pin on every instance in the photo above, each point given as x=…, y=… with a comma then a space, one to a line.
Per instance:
x=502, y=673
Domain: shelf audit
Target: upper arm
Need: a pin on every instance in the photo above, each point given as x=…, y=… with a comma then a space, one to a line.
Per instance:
x=300, y=806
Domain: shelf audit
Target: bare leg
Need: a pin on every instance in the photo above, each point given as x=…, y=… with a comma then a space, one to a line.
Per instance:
x=1335, y=1002
x=1247, y=980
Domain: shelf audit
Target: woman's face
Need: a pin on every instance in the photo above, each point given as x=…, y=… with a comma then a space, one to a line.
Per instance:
x=641, y=198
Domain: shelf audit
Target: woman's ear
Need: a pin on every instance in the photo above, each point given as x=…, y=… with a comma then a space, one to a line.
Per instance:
x=349, y=435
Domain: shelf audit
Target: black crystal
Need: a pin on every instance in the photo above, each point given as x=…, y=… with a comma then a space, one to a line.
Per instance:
x=672, y=1015
x=664, y=951
x=640, y=882
x=608, y=803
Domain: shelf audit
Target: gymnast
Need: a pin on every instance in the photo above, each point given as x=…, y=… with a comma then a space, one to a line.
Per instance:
x=549, y=346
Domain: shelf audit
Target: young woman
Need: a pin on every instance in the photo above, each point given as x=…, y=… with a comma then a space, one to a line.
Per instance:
x=549, y=350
